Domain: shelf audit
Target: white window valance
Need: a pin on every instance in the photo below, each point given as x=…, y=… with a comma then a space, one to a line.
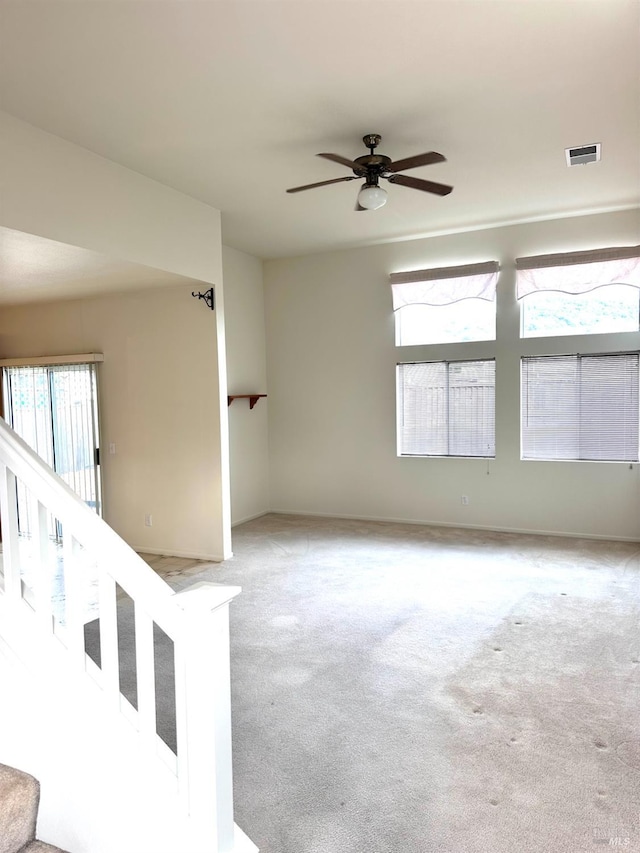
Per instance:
x=53, y=360
x=578, y=272
x=445, y=285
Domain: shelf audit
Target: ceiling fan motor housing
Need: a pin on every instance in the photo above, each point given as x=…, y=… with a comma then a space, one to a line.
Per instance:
x=371, y=166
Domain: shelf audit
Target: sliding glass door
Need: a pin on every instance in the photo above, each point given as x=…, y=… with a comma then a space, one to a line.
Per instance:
x=54, y=408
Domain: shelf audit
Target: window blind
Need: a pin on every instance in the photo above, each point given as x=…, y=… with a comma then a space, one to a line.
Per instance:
x=445, y=285
x=578, y=272
x=581, y=407
x=446, y=408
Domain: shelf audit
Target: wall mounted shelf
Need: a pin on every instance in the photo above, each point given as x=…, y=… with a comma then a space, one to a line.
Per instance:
x=253, y=398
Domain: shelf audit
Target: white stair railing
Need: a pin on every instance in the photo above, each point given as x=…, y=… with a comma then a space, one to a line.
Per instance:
x=48, y=595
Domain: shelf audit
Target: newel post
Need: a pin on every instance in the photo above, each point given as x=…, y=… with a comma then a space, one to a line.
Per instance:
x=203, y=711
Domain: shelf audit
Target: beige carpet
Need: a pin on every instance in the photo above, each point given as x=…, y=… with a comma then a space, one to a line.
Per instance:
x=19, y=801
x=406, y=689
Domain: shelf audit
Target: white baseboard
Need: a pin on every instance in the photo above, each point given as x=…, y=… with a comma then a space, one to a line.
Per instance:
x=190, y=555
x=250, y=518
x=492, y=529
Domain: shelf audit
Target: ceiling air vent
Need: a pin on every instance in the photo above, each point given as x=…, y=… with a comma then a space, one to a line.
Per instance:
x=583, y=154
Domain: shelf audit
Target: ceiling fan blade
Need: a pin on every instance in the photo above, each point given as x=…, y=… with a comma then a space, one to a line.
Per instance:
x=419, y=160
x=420, y=184
x=322, y=184
x=336, y=158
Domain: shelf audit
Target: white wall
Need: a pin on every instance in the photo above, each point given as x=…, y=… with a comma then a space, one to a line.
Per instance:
x=246, y=373
x=57, y=190
x=158, y=403
x=331, y=363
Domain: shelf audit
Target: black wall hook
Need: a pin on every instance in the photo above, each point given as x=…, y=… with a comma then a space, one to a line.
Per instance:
x=208, y=297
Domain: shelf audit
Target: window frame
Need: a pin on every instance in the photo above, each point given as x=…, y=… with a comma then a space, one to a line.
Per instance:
x=579, y=425
x=577, y=274
x=446, y=427
x=443, y=287
x=575, y=332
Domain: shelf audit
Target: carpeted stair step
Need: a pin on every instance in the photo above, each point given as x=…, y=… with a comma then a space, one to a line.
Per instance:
x=19, y=800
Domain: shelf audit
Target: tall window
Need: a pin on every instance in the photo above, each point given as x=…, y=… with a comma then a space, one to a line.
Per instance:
x=581, y=407
x=445, y=305
x=446, y=408
x=580, y=293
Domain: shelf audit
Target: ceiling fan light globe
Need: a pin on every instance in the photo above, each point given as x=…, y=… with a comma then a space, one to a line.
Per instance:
x=372, y=197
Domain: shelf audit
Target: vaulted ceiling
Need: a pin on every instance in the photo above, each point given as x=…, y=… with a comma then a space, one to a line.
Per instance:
x=229, y=101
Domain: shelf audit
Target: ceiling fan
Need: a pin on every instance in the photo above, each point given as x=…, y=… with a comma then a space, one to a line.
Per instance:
x=374, y=166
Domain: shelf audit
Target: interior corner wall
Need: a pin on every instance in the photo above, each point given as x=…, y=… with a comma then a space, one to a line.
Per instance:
x=331, y=361
x=54, y=189
x=157, y=405
x=246, y=373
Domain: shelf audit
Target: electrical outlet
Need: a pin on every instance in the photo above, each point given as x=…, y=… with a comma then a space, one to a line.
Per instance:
x=464, y=500
x=148, y=520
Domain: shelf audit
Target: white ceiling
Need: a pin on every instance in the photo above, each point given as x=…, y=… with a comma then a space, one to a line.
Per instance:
x=33, y=268
x=229, y=101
